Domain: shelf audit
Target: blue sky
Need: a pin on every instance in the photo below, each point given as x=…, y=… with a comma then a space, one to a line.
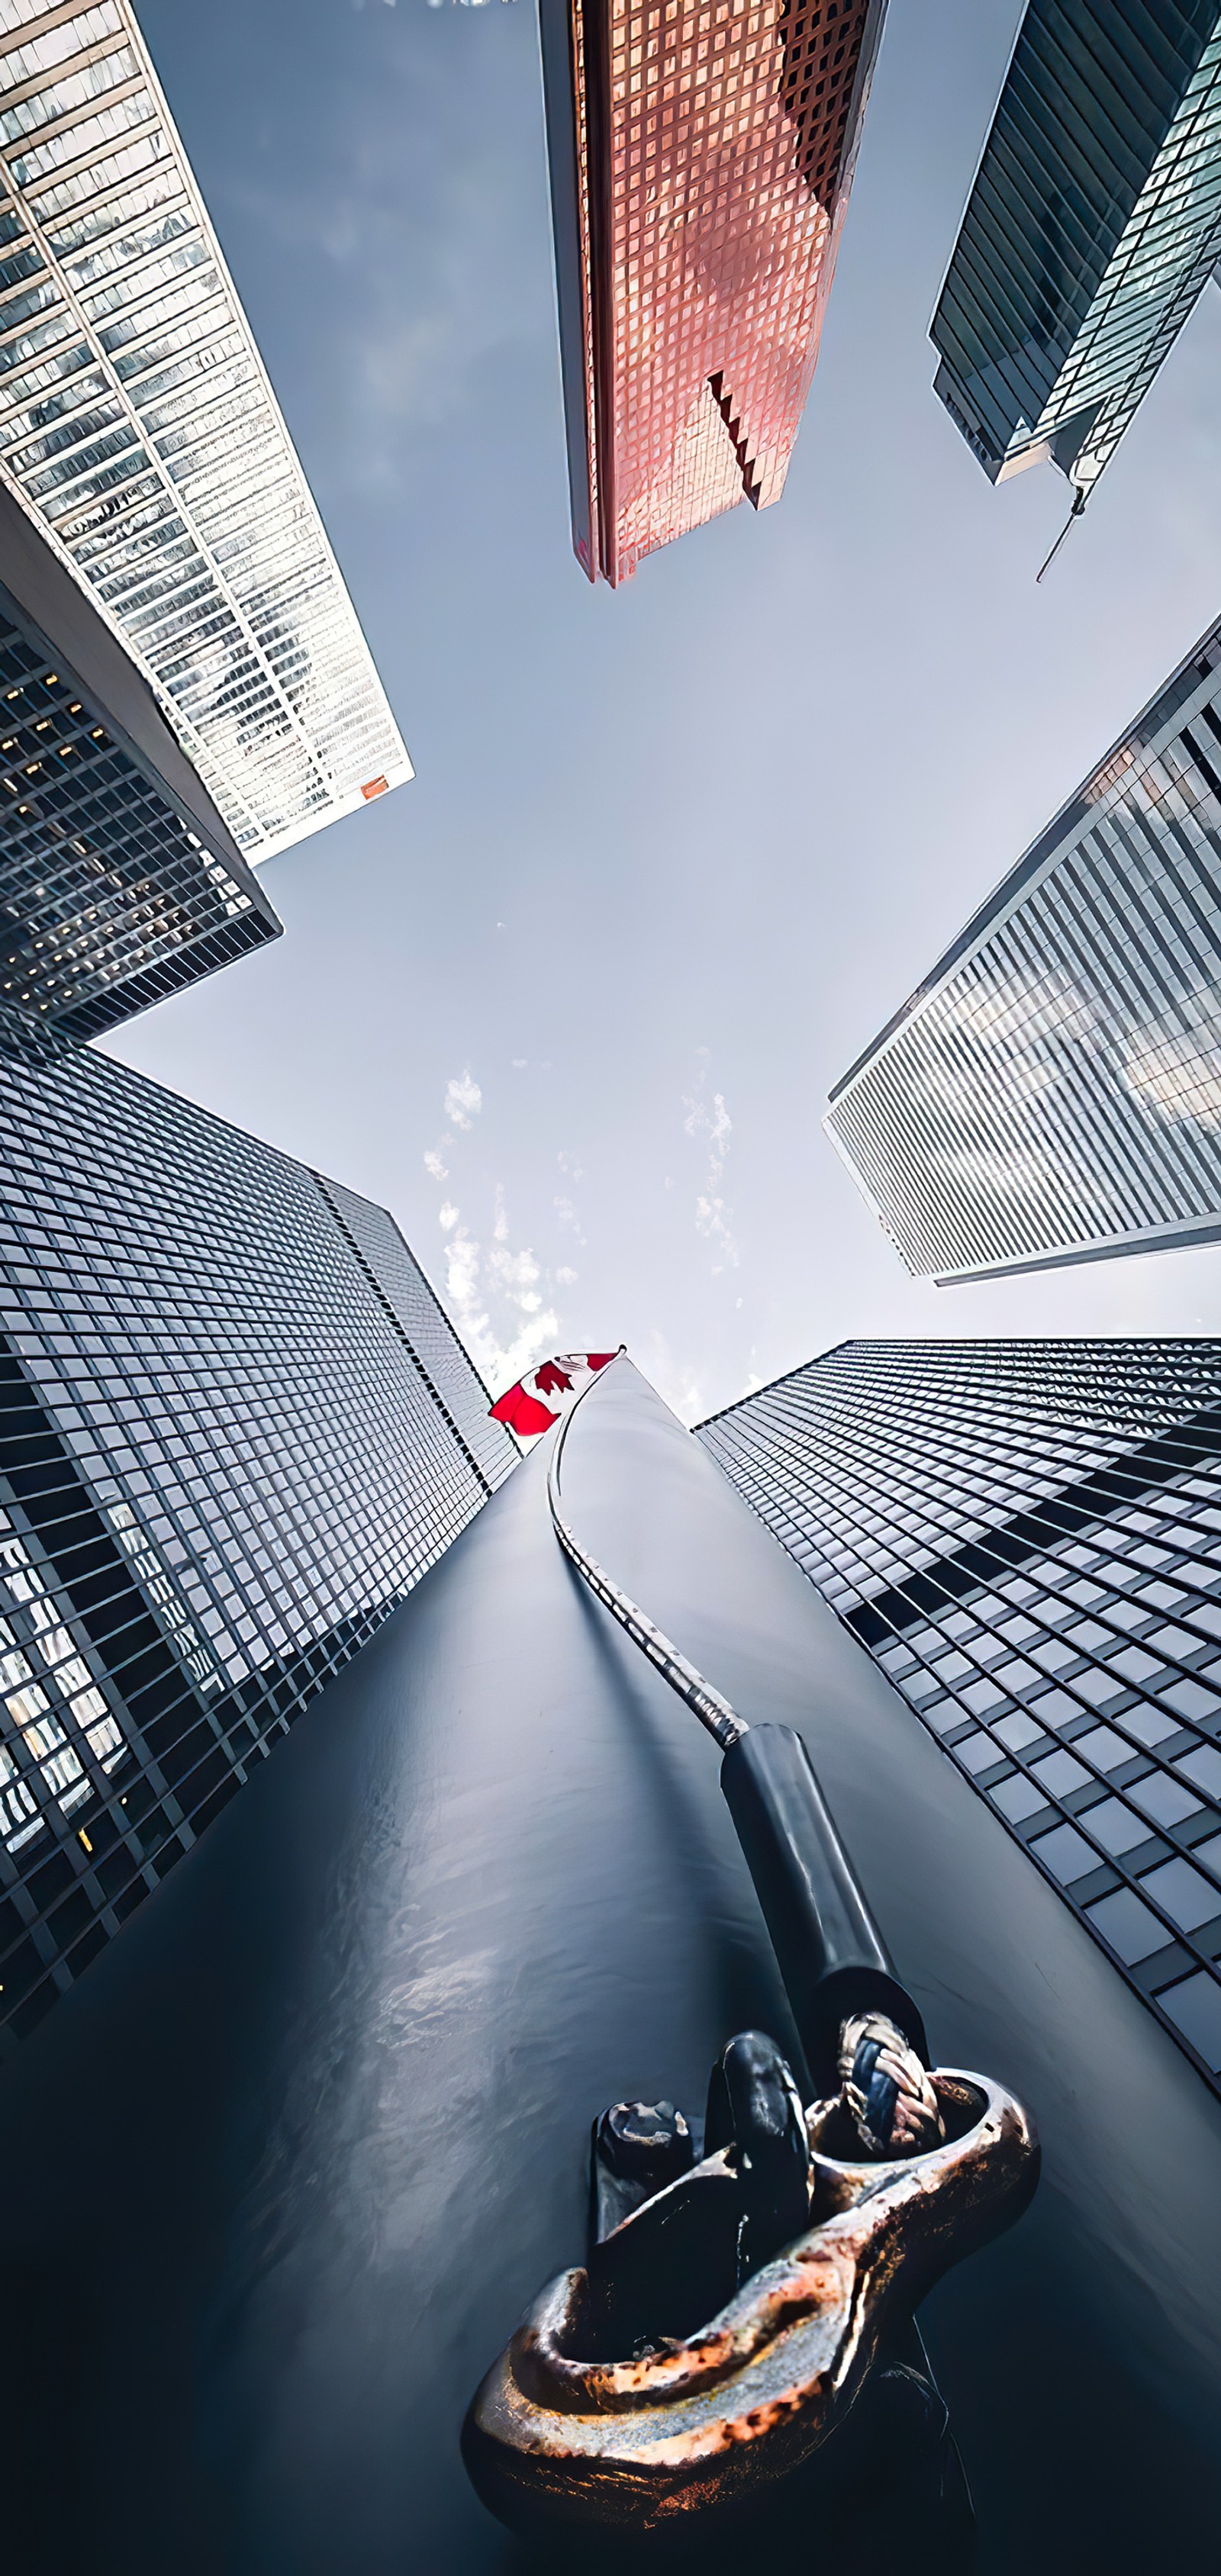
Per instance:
x=571, y=1002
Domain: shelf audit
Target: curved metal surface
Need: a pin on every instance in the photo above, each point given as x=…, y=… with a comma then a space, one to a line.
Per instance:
x=279, y=2176
x=828, y=1948
x=705, y=2420
x=830, y=1953
x=712, y=1710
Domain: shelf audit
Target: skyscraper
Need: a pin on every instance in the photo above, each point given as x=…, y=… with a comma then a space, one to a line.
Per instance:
x=1027, y=1537
x=1093, y=225
x=235, y=1428
x=119, y=882
x=701, y=158
x=1052, y=1090
x=139, y=428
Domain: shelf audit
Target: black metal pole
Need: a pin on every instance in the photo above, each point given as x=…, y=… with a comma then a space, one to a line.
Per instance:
x=829, y=1950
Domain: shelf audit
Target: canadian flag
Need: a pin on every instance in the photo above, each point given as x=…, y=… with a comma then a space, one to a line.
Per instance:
x=522, y=1406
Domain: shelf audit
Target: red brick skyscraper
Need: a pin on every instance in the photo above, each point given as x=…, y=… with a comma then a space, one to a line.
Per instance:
x=701, y=157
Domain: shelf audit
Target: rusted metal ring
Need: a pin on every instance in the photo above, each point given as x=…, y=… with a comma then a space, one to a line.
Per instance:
x=694, y=2424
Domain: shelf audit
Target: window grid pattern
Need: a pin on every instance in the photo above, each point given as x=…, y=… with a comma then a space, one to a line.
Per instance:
x=53, y=1756
x=139, y=427
x=399, y=1280
x=1053, y=1091
x=1093, y=226
x=223, y=1460
x=108, y=899
x=1027, y=1538
x=715, y=144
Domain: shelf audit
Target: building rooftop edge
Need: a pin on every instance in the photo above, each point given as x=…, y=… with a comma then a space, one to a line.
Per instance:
x=1065, y=821
x=772, y=1383
x=965, y=1342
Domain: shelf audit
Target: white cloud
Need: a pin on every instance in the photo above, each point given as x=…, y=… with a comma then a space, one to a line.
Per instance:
x=708, y=1121
x=413, y=346
x=711, y=1220
x=515, y=1274
x=463, y=1099
x=493, y=1295
x=565, y=1206
x=494, y=1286
x=463, y=1102
x=715, y=1123
x=567, y=1278
x=462, y=1271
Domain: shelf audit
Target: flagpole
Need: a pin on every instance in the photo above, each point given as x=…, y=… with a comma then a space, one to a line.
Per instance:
x=712, y=1710
x=832, y=1959
x=686, y=2366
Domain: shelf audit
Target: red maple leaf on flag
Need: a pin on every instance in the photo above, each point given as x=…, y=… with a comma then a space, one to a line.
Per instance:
x=550, y=1379
x=520, y=1407
x=522, y=1412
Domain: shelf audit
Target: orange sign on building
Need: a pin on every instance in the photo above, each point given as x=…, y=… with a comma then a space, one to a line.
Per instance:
x=701, y=156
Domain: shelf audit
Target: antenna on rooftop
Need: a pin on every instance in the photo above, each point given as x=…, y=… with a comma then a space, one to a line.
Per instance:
x=1074, y=513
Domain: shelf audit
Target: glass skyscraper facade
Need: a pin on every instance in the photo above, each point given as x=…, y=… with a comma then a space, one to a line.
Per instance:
x=1093, y=225
x=138, y=424
x=701, y=158
x=119, y=882
x=1052, y=1091
x=235, y=1429
x=1027, y=1537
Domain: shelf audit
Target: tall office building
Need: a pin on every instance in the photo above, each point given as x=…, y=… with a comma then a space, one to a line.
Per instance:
x=1093, y=225
x=138, y=427
x=119, y=882
x=1027, y=1536
x=701, y=158
x=1052, y=1091
x=235, y=1428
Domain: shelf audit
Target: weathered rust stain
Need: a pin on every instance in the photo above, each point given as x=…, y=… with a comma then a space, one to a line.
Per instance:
x=682, y=2428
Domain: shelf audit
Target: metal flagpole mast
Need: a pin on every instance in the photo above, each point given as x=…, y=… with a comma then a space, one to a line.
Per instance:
x=834, y=1964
